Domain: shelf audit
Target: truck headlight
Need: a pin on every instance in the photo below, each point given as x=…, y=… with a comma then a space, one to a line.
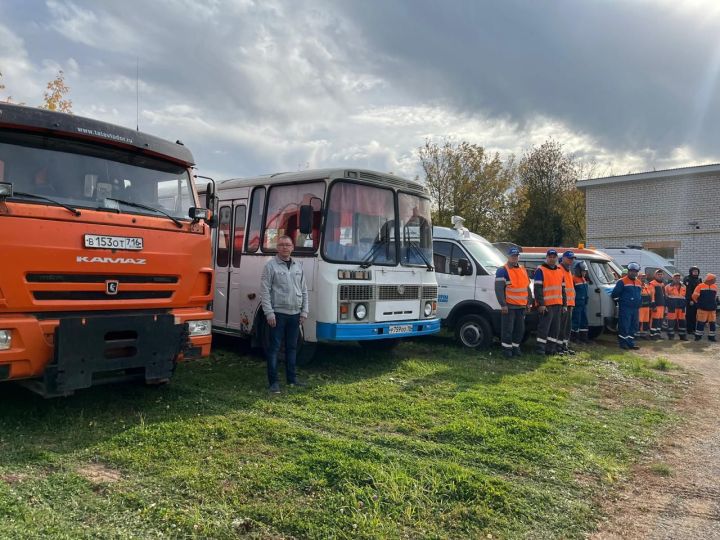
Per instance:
x=360, y=312
x=428, y=309
x=5, y=339
x=200, y=328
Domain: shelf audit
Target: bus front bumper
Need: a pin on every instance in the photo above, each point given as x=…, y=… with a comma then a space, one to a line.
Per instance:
x=371, y=331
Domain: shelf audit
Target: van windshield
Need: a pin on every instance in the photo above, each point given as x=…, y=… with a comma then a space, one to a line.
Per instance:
x=489, y=257
x=604, y=272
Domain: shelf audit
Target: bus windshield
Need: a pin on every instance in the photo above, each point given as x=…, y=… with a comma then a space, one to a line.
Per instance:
x=89, y=176
x=486, y=254
x=416, y=230
x=360, y=224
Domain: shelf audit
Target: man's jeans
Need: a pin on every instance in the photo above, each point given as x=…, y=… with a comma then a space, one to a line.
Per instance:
x=287, y=327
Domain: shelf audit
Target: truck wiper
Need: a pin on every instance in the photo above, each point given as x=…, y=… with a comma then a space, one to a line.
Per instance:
x=371, y=256
x=146, y=207
x=417, y=249
x=53, y=201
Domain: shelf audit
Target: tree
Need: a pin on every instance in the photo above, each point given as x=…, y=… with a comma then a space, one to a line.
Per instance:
x=54, y=95
x=463, y=179
x=8, y=99
x=554, y=209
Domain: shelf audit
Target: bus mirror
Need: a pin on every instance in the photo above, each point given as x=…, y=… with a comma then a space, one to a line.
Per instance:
x=6, y=190
x=306, y=218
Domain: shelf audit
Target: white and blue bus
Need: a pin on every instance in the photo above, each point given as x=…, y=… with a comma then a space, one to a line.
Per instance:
x=364, y=240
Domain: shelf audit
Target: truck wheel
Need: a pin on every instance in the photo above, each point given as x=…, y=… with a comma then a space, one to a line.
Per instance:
x=380, y=344
x=474, y=332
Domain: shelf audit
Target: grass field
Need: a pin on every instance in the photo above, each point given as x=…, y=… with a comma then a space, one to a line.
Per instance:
x=428, y=441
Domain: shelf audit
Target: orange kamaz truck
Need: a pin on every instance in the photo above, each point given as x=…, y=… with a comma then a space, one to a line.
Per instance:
x=105, y=259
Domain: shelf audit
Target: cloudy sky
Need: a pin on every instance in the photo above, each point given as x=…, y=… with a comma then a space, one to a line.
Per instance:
x=256, y=86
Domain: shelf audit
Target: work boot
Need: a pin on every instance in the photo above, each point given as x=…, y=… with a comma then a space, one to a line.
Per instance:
x=540, y=350
x=711, y=338
x=623, y=345
x=683, y=337
x=697, y=338
x=584, y=337
x=507, y=352
x=671, y=337
x=574, y=336
x=516, y=351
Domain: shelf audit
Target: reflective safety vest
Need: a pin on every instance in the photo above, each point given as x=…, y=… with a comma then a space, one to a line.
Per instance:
x=646, y=293
x=516, y=291
x=552, y=285
x=675, y=295
x=705, y=296
x=569, y=286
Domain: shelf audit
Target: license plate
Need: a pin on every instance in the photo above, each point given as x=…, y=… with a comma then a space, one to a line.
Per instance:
x=98, y=241
x=400, y=329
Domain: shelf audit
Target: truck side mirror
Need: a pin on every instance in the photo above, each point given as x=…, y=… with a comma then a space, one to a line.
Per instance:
x=306, y=218
x=464, y=267
x=6, y=190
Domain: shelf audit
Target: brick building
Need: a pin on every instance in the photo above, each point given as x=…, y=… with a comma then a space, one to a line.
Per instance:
x=675, y=213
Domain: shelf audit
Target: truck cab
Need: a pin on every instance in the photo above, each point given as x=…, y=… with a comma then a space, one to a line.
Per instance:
x=465, y=265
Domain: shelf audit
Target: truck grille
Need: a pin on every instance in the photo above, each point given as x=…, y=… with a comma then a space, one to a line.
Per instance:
x=98, y=278
x=398, y=292
x=100, y=295
x=352, y=293
x=429, y=292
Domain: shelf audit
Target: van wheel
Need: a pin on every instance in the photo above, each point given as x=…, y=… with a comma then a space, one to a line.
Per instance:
x=474, y=332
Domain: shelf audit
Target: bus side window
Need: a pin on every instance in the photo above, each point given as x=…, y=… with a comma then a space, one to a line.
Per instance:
x=257, y=204
x=223, y=248
x=238, y=234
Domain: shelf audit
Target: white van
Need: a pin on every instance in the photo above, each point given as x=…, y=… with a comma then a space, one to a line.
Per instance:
x=649, y=262
x=465, y=265
x=602, y=273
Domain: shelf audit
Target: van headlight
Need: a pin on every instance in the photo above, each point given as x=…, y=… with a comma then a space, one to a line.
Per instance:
x=360, y=312
x=5, y=340
x=200, y=328
x=428, y=309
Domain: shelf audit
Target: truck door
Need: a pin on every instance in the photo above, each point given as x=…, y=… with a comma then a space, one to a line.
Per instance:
x=454, y=274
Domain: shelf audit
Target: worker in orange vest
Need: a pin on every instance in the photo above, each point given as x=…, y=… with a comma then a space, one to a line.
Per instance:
x=512, y=289
x=657, y=305
x=550, y=299
x=705, y=298
x=675, y=301
x=566, y=262
x=644, y=314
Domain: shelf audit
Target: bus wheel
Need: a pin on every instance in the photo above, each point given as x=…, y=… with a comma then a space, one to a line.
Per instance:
x=474, y=332
x=380, y=344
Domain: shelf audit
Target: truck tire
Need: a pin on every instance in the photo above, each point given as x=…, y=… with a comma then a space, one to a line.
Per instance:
x=474, y=332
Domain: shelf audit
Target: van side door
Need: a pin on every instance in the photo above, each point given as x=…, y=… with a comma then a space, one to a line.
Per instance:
x=455, y=275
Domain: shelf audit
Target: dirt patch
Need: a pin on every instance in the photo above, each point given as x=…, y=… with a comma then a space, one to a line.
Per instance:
x=675, y=492
x=13, y=479
x=97, y=473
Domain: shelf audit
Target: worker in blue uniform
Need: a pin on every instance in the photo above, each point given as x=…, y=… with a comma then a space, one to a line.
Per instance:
x=627, y=295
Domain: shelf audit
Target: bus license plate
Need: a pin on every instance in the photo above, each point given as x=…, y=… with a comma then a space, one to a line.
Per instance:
x=97, y=241
x=400, y=329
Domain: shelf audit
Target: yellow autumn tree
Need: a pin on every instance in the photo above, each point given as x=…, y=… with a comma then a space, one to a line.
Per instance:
x=54, y=95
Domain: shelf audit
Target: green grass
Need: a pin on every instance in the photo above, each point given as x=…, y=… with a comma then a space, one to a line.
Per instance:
x=429, y=441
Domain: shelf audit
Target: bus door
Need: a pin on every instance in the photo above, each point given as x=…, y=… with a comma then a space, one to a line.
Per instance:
x=228, y=252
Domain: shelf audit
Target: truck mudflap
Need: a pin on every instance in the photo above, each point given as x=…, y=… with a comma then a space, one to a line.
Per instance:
x=97, y=350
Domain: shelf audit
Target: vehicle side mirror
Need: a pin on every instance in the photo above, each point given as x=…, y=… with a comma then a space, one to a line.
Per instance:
x=209, y=196
x=6, y=190
x=306, y=218
x=464, y=267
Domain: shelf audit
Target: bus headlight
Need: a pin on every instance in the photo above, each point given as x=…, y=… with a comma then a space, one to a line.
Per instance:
x=200, y=328
x=428, y=309
x=360, y=312
x=5, y=339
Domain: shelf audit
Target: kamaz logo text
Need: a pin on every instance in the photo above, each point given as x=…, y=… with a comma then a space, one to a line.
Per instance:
x=109, y=260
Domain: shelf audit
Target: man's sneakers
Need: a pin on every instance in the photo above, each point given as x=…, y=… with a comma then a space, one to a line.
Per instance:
x=507, y=352
x=516, y=351
x=298, y=384
x=274, y=388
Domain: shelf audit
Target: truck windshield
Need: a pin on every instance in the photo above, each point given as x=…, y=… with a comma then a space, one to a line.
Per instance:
x=486, y=254
x=416, y=230
x=360, y=224
x=90, y=176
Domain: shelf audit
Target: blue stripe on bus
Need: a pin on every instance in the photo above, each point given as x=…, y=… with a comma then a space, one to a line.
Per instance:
x=367, y=331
